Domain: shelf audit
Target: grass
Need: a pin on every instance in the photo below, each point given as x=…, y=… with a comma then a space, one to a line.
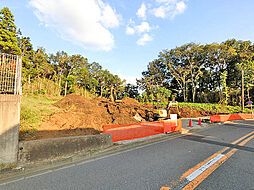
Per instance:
x=213, y=107
x=35, y=110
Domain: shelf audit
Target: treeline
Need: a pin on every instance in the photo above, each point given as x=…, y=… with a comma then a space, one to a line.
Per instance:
x=60, y=73
x=203, y=73
x=209, y=73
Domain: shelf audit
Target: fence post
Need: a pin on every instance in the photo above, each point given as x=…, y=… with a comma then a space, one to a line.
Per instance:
x=10, y=97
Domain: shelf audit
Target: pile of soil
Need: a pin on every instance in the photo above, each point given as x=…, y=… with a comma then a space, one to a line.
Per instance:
x=186, y=112
x=80, y=116
x=79, y=112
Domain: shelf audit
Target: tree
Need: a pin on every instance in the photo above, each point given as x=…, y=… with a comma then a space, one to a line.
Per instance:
x=8, y=33
x=131, y=91
x=162, y=93
x=177, y=68
x=245, y=56
x=224, y=87
x=27, y=53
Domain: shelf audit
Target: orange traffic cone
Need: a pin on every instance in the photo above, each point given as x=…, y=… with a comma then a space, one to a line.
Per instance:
x=199, y=121
x=190, y=125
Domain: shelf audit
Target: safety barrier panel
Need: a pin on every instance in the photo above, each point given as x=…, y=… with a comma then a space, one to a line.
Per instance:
x=140, y=130
x=230, y=117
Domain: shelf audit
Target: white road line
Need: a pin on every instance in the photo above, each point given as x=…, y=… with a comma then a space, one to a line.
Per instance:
x=200, y=170
x=35, y=175
x=64, y=167
x=16, y=180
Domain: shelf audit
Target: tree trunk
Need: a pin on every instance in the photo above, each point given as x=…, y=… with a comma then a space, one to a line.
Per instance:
x=242, y=90
x=59, y=86
x=101, y=91
x=65, y=88
x=193, y=94
x=111, y=94
x=248, y=93
x=184, y=92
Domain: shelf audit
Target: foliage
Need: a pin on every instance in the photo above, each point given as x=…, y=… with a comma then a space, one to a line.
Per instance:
x=8, y=33
x=203, y=73
x=224, y=87
x=35, y=110
x=66, y=72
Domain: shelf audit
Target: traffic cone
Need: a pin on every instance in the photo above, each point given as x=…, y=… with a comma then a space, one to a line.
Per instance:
x=190, y=125
x=199, y=121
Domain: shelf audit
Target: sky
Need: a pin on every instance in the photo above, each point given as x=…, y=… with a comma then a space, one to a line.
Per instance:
x=124, y=36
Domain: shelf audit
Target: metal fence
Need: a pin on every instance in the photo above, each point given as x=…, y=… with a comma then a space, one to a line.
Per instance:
x=10, y=74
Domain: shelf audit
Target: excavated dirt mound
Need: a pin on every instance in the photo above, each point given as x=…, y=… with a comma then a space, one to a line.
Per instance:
x=79, y=112
x=186, y=112
x=80, y=116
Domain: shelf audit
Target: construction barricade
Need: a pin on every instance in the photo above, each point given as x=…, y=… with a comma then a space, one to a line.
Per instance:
x=230, y=117
x=140, y=130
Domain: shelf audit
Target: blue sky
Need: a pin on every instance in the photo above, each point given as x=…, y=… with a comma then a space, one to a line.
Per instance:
x=123, y=36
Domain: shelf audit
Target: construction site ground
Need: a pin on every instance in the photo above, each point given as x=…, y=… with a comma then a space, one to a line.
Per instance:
x=78, y=116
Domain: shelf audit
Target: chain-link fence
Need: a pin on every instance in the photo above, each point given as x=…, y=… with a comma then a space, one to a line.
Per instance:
x=10, y=74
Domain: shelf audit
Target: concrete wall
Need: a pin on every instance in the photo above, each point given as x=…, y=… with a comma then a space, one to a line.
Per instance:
x=9, y=127
x=47, y=149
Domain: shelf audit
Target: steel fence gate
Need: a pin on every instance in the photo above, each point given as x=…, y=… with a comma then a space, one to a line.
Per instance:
x=10, y=74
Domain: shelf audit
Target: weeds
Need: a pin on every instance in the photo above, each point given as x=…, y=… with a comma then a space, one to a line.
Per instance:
x=35, y=110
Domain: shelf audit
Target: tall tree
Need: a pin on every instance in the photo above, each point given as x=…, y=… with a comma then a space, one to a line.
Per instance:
x=8, y=33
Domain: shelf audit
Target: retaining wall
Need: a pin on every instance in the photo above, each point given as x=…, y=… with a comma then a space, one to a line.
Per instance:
x=9, y=127
x=47, y=149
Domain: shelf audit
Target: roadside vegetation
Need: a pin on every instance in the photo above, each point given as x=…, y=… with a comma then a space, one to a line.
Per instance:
x=209, y=107
x=34, y=111
x=199, y=73
x=215, y=107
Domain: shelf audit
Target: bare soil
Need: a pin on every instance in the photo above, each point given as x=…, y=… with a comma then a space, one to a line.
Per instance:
x=80, y=116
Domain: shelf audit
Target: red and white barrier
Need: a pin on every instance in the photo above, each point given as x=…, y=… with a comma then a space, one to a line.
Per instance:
x=143, y=129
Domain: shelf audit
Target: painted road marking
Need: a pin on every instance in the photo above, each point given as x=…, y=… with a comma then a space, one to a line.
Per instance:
x=193, y=177
x=200, y=170
x=194, y=183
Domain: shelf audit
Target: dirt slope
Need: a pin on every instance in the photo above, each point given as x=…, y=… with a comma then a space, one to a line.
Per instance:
x=80, y=116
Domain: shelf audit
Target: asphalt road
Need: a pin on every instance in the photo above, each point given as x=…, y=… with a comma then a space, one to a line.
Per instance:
x=219, y=157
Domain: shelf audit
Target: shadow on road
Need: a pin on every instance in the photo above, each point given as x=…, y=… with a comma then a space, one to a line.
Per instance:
x=202, y=140
x=239, y=126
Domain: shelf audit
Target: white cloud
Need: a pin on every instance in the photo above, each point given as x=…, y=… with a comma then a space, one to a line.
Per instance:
x=161, y=11
x=82, y=22
x=144, y=39
x=142, y=11
x=169, y=8
x=143, y=27
x=180, y=8
x=166, y=1
x=130, y=30
x=109, y=17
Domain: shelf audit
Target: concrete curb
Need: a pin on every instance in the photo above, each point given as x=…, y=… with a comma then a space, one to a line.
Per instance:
x=48, y=149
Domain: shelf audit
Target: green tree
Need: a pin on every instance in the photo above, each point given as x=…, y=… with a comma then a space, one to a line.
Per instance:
x=8, y=33
x=224, y=87
x=131, y=91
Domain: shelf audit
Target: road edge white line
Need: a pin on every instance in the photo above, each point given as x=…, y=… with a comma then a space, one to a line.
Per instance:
x=204, y=167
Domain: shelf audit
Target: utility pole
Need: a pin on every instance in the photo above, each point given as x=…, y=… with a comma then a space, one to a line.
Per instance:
x=242, y=90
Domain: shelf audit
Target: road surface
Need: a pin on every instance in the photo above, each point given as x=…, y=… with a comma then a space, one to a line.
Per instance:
x=220, y=157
